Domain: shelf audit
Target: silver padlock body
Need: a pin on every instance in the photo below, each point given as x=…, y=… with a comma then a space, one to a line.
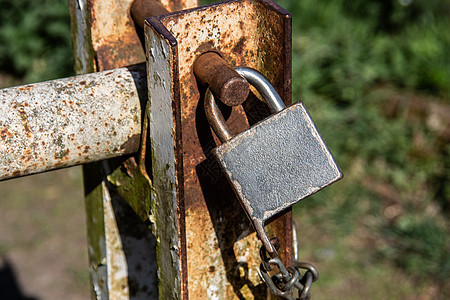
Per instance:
x=277, y=162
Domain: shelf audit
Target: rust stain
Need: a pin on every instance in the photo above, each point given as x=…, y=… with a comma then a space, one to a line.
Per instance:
x=5, y=134
x=114, y=38
x=133, y=142
x=26, y=87
x=246, y=33
x=119, y=53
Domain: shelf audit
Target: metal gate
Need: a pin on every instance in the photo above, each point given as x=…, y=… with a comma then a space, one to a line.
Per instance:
x=162, y=219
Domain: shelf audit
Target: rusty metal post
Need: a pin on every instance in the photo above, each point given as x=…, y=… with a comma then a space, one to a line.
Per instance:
x=178, y=230
x=209, y=68
x=122, y=231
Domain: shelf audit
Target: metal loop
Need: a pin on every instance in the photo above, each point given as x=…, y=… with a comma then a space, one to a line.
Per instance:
x=271, y=285
x=309, y=267
x=289, y=285
x=294, y=241
x=261, y=84
x=308, y=280
x=215, y=118
x=286, y=280
x=264, y=87
x=265, y=259
x=276, y=261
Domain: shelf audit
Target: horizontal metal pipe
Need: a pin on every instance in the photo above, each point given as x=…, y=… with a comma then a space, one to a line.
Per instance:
x=70, y=121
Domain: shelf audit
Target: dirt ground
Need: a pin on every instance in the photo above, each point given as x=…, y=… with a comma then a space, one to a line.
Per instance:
x=43, y=249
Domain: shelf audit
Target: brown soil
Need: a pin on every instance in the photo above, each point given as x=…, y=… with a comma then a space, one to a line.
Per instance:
x=43, y=249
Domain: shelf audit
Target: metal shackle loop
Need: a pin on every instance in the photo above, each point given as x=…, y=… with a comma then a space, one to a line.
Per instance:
x=262, y=85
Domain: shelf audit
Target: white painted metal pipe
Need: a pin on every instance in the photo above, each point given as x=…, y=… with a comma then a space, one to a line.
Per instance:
x=70, y=121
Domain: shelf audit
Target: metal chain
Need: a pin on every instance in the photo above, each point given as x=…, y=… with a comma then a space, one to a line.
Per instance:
x=287, y=281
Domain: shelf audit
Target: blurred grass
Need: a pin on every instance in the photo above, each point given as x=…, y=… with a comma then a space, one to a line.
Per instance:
x=43, y=235
x=375, y=78
x=35, y=41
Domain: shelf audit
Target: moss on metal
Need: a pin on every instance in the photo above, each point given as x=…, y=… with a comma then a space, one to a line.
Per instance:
x=83, y=53
x=134, y=187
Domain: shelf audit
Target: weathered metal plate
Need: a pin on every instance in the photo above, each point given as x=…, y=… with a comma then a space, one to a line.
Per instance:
x=114, y=38
x=70, y=121
x=221, y=246
x=277, y=162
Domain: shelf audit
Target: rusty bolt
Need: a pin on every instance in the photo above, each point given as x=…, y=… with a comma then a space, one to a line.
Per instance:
x=210, y=68
x=230, y=87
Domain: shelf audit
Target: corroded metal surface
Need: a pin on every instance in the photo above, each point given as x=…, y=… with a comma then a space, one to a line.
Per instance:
x=211, y=70
x=70, y=121
x=134, y=247
x=222, y=256
x=83, y=53
x=113, y=36
x=142, y=9
x=114, y=39
x=168, y=205
x=104, y=37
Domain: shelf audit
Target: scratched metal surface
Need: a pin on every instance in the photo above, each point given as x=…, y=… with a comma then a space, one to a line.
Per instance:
x=70, y=121
x=278, y=162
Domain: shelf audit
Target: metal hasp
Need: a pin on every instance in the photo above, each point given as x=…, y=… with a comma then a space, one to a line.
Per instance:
x=218, y=251
x=275, y=163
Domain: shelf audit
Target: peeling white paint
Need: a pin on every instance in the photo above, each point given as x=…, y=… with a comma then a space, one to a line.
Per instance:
x=115, y=257
x=162, y=135
x=69, y=121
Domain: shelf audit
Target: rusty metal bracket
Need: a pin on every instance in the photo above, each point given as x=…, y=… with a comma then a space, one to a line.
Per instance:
x=214, y=236
x=176, y=209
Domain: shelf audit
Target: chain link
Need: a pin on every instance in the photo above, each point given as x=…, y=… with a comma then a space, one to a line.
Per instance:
x=287, y=281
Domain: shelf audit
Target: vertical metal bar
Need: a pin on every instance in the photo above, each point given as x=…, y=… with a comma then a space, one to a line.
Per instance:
x=220, y=243
x=122, y=248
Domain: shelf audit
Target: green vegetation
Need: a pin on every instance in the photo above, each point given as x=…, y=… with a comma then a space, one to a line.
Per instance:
x=375, y=76
x=35, y=42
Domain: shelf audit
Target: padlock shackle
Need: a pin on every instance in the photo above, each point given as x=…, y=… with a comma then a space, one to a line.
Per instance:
x=262, y=85
x=215, y=118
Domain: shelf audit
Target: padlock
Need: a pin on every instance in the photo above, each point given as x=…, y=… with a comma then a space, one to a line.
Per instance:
x=276, y=162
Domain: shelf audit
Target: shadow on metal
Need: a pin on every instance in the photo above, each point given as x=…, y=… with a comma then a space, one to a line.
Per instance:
x=139, y=248
x=228, y=218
